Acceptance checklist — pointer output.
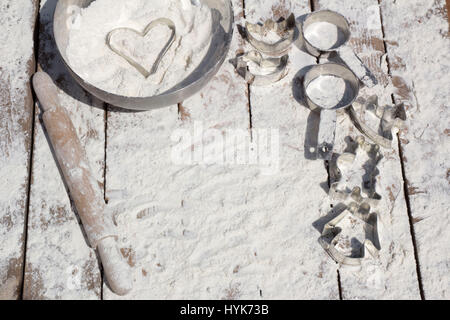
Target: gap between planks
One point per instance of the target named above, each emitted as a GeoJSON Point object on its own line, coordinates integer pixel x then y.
{"type": "Point", "coordinates": [105, 168]}
{"type": "Point", "coordinates": [248, 94]}
{"type": "Point", "coordinates": [402, 165]}
{"type": "Point", "coordinates": [313, 5]}
{"type": "Point", "coordinates": [36, 44]}
{"type": "Point", "coordinates": [37, 5]}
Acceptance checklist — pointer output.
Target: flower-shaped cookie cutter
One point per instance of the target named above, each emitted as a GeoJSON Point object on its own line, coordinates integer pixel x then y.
{"type": "Point", "coordinates": [355, 194]}
{"type": "Point", "coordinates": [273, 69]}
{"type": "Point", "coordinates": [391, 118]}
{"type": "Point", "coordinates": [331, 231]}
{"type": "Point", "coordinates": [285, 29]}
{"type": "Point", "coordinates": [162, 21]}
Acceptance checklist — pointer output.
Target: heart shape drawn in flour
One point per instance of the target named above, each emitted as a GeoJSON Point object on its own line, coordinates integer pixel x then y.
{"type": "Point", "coordinates": [128, 53]}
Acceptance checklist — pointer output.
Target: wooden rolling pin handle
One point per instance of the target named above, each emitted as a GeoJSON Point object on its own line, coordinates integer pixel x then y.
{"type": "Point", "coordinates": [84, 189]}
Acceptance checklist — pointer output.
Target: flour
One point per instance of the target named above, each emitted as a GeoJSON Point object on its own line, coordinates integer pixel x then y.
{"type": "Point", "coordinates": [16, 50]}
{"type": "Point", "coordinates": [327, 91]}
{"type": "Point", "coordinates": [90, 56]}
{"type": "Point", "coordinates": [349, 241]}
{"type": "Point", "coordinates": [324, 35]}
{"type": "Point", "coordinates": [418, 47]}
{"type": "Point", "coordinates": [222, 232]}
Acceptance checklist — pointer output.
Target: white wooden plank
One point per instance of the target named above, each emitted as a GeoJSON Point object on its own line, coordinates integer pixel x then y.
{"type": "Point", "coordinates": [394, 275]}
{"type": "Point", "coordinates": [59, 263]}
{"type": "Point", "coordinates": [417, 44]}
{"type": "Point", "coordinates": [289, 201]}
{"type": "Point", "coordinates": [188, 241]}
{"type": "Point", "coordinates": [17, 20]}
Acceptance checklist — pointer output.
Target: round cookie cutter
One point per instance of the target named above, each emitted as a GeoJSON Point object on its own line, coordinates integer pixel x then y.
{"type": "Point", "coordinates": [341, 47]}
{"type": "Point", "coordinates": [328, 115]}
{"type": "Point", "coordinates": [222, 26]}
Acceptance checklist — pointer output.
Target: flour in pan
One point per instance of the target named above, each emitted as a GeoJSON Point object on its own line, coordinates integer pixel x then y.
{"type": "Point", "coordinates": [92, 59]}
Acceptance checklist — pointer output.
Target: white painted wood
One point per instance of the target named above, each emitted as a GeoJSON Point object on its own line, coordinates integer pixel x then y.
{"type": "Point", "coordinates": [59, 262]}
{"type": "Point", "coordinates": [16, 105]}
{"type": "Point", "coordinates": [229, 231]}
{"type": "Point", "coordinates": [418, 54]}
{"type": "Point", "coordinates": [188, 240]}
{"type": "Point", "coordinates": [289, 200]}
{"type": "Point", "coordinates": [393, 276]}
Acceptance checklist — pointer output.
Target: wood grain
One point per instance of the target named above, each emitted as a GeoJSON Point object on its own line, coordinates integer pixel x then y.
{"type": "Point", "coordinates": [228, 231]}
{"type": "Point", "coordinates": [16, 104]}
{"type": "Point", "coordinates": [394, 275]}
{"type": "Point", "coordinates": [59, 262]}
{"type": "Point", "coordinates": [170, 232]}
{"type": "Point", "coordinates": [419, 75]}
{"type": "Point", "coordinates": [291, 197]}
{"type": "Point", "coordinates": [447, 6]}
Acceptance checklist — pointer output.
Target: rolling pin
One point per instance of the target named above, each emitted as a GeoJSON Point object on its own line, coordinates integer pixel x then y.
{"type": "Point", "coordinates": [83, 187]}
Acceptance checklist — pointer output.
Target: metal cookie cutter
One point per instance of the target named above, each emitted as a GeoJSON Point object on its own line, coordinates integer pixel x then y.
{"type": "Point", "coordinates": [162, 21]}
{"type": "Point", "coordinates": [391, 117]}
{"type": "Point", "coordinates": [284, 29]}
{"type": "Point", "coordinates": [328, 116]}
{"type": "Point", "coordinates": [372, 198]}
{"type": "Point", "coordinates": [346, 53]}
{"type": "Point", "coordinates": [273, 69]}
{"type": "Point", "coordinates": [356, 214]}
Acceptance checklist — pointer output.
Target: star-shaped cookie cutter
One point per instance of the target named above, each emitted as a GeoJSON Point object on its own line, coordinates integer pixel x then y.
{"type": "Point", "coordinates": [274, 69]}
{"type": "Point", "coordinates": [331, 231]}
{"type": "Point", "coordinates": [162, 21]}
{"type": "Point", "coordinates": [391, 117]}
{"type": "Point", "coordinates": [285, 29]}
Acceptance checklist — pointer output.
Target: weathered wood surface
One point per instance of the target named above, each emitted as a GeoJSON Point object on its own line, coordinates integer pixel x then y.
{"type": "Point", "coordinates": [394, 275]}
{"type": "Point", "coordinates": [203, 230]}
{"type": "Point", "coordinates": [180, 242]}
{"type": "Point", "coordinates": [59, 263]}
{"type": "Point", "coordinates": [420, 69]}
{"type": "Point", "coordinates": [288, 200]}
{"type": "Point", "coordinates": [17, 21]}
